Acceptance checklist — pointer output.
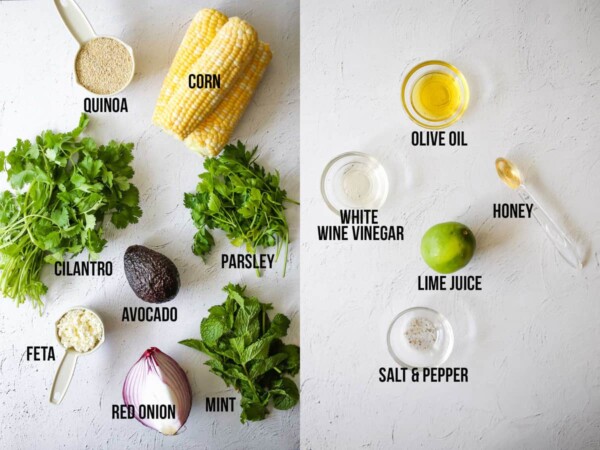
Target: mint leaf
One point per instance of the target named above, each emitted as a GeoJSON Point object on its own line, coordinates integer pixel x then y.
{"type": "Point", "coordinates": [262, 366]}
{"type": "Point", "coordinates": [292, 362]}
{"type": "Point", "coordinates": [211, 329]}
{"type": "Point", "coordinates": [201, 347]}
{"type": "Point", "coordinates": [253, 411]}
{"type": "Point", "coordinates": [285, 393]}
{"type": "Point", "coordinates": [279, 326]}
{"type": "Point", "coordinates": [238, 345]}
{"type": "Point", "coordinates": [258, 349]}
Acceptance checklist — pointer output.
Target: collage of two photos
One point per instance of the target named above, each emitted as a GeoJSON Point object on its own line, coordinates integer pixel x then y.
{"type": "Point", "coordinates": [284, 224]}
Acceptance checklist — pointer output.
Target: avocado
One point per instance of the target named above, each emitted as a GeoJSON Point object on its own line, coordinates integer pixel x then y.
{"type": "Point", "coordinates": [152, 276]}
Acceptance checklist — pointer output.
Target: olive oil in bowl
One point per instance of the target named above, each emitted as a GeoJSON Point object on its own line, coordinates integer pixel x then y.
{"type": "Point", "coordinates": [435, 94]}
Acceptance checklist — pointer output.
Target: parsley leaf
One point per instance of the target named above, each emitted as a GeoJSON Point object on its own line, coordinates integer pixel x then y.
{"type": "Point", "coordinates": [63, 187]}
{"type": "Point", "coordinates": [238, 196]}
{"type": "Point", "coordinates": [245, 351]}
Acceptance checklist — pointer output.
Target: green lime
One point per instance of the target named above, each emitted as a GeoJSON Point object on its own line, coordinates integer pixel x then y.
{"type": "Point", "coordinates": [448, 247]}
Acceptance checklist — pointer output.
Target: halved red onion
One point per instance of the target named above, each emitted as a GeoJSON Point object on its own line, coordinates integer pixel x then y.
{"type": "Point", "coordinates": [156, 379]}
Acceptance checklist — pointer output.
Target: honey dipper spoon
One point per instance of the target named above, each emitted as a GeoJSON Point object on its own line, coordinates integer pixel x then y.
{"type": "Point", "coordinates": [510, 175]}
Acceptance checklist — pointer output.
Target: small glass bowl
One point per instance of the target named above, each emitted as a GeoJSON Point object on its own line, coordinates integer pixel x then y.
{"type": "Point", "coordinates": [415, 74]}
{"type": "Point", "coordinates": [354, 180]}
{"type": "Point", "coordinates": [408, 355]}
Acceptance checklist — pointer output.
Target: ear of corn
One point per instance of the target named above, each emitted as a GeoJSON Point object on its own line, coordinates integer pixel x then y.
{"type": "Point", "coordinates": [228, 54]}
{"type": "Point", "coordinates": [213, 45]}
{"type": "Point", "coordinates": [215, 131]}
{"type": "Point", "coordinates": [199, 35]}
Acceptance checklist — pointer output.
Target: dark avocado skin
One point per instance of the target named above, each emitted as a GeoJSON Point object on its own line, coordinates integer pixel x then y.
{"type": "Point", "coordinates": [152, 276]}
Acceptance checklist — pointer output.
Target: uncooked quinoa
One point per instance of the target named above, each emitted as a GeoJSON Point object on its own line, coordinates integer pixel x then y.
{"type": "Point", "coordinates": [80, 329]}
{"type": "Point", "coordinates": [103, 66]}
{"type": "Point", "coordinates": [421, 333]}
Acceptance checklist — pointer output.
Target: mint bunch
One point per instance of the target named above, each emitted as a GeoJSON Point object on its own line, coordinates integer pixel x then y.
{"type": "Point", "coordinates": [246, 351]}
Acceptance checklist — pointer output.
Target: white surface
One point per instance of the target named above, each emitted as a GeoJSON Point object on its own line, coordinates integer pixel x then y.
{"type": "Point", "coordinates": [37, 92]}
{"type": "Point", "coordinates": [530, 338]}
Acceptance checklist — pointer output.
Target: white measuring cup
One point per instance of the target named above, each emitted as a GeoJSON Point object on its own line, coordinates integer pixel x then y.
{"type": "Point", "coordinates": [80, 28]}
{"type": "Point", "coordinates": [65, 371]}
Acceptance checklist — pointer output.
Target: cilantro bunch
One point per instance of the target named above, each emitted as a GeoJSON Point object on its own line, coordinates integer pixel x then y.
{"type": "Point", "coordinates": [63, 188]}
{"type": "Point", "coordinates": [238, 196]}
{"type": "Point", "coordinates": [246, 351]}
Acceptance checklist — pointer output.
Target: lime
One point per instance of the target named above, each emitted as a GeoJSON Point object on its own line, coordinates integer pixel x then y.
{"type": "Point", "coordinates": [448, 247]}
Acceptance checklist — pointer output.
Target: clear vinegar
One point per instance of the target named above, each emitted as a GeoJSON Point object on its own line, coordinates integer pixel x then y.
{"type": "Point", "coordinates": [360, 185]}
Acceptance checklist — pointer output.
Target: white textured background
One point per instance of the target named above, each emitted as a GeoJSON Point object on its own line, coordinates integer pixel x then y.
{"type": "Point", "coordinates": [37, 92]}
{"type": "Point", "coordinates": [530, 338]}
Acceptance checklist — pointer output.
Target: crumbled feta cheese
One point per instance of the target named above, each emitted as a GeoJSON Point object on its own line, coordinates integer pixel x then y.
{"type": "Point", "coordinates": [80, 329]}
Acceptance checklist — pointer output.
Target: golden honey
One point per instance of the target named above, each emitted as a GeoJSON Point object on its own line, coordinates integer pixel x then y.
{"type": "Point", "coordinates": [508, 173]}
{"type": "Point", "coordinates": [436, 96]}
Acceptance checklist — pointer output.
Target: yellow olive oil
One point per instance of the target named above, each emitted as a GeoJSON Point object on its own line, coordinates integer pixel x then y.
{"type": "Point", "coordinates": [436, 96]}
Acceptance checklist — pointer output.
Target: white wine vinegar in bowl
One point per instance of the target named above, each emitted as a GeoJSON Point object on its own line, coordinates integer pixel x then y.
{"type": "Point", "coordinates": [354, 180]}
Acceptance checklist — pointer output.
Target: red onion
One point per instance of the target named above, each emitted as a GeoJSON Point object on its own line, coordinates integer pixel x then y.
{"type": "Point", "coordinates": [157, 384]}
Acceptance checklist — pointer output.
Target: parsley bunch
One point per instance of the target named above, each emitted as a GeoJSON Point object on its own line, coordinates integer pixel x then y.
{"type": "Point", "coordinates": [63, 188]}
{"type": "Point", "coordinates": [247, 353]}
{"type": "Point", "coordinates": [238, 196]}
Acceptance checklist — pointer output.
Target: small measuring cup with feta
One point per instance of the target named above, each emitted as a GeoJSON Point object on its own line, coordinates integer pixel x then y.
{"type": "Point", "coordinates": [80, 331]}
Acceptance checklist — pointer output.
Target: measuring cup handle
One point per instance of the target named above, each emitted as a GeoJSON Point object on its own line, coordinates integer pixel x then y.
{"type": "Point", "coordinates": [75, 20]}
{"type": "Point", "coordinates": [63, 376]}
